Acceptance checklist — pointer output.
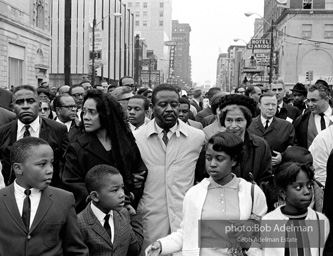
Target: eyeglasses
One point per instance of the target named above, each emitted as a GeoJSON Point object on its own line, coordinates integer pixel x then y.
{"type": "Point", "coordinates": [77, 95]}
{"type": "Point", "coordinates": [277, 89]}
{"type": "Point", "coordinates": [69, 107]}
{"type": "Point", "coordinates": [44, 109]}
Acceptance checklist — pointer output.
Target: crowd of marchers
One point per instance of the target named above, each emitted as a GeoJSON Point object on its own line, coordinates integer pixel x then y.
{"type": "Point", "coordinates": [121, 170]}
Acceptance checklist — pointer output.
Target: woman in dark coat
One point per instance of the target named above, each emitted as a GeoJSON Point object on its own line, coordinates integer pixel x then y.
{"type": "Point", "coordinates": [107, 139]}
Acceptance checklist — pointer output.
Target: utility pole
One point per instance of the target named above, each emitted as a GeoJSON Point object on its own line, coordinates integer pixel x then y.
{"type": "Point", "coordinates": [271, 55]}
{"type": "Point", "coordinates": [93, 48]}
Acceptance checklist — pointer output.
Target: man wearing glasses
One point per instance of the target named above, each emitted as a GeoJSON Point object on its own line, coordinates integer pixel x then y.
{"type": "Point", "coordinates": [26, 104]}
{"type": "Point", "coordinates": [284, 111]}
{"type": "Point", "coordinates": [128, 81]}
{"type": "Point", "coordinates": [77, 92]}
{"type": "Point", "coordinates": [65, 109]}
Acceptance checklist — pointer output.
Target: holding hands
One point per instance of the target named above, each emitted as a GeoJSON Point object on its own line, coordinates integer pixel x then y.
{"type": "Point", "coordinates": [154, 249]}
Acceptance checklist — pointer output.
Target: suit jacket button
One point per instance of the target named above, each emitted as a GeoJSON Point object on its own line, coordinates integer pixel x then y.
{"type": "Point", "coordinates": [29, 237]}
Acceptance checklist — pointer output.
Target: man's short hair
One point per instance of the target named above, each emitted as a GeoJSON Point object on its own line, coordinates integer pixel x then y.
{"type": "Point", "coordinates": [197, 93]}
{"type": "Point", "coordinates": [21, 148]}
{"type": "Point", "coordinates": [213, 91]}
{"type": "Point", "coordinates": [25, 87]}
{"type": "Point", "coordinates": [163, 87]}
{"type": "Point", "coordinates": [43, 90]}
{"type": "Point", "coordinates": [122, 92]}
{"type": "Point", "coordinates": [74, 86]}
{"type": "Point", "coordinates": [279, 81]}
{"type": "Point", "coordinates": [322, 89]}
{"type": "Point", "coordinates": [266, 94]}
{"type": "Point", "coordinates": [96, 176]}
{"type": "Point", "coordinates": [183, 100]}
{"type": "Point", "coordinates": [145, 100]}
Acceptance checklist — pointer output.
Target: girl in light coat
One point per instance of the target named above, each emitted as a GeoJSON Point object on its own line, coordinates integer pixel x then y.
{"type": "Point", "coordinates": [220, 197]}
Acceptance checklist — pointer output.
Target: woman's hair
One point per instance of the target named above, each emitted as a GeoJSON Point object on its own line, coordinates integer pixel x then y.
{"type": "Point", "coordinates": [246, 104]}
{"type": "Point", "coordinates": [50, 108]}
{"type": "Point", "coordinates": [245, 110]}
{"type": "Point", "coordinates": [287, 174]}
{"type": "Point", "coordinates": [112, 119]}
{"type": "Point", "coordinates": [226, 142]}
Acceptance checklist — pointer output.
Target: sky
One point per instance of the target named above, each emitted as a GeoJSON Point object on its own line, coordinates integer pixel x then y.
{"type": "Point", "coordinates": [214, 25]}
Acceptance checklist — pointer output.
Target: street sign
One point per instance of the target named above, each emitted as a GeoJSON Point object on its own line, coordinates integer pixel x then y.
{"type": "Point", "coordinates": [170, 43]}
{"type": "Point", "coordinates": [262, 59]}
{"type": "Point", "coordinates": [259, 44]}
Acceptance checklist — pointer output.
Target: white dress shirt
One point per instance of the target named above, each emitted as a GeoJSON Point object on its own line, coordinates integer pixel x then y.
{"type": "Point", "coordinates": [327, 115]}
{"type": "Point", "coordinates": [68, 124]}
{"type": "Point", "coordinates": [34, 199]}
{"type": "Point", "coordinates": [100, 216]}
{"type": "Point", "coordinates": [263, 121]}
{"type": "Point", "coordinates": [34, 128]}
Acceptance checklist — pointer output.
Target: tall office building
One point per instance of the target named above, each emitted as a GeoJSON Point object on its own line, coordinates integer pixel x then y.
{"type": "Point", "coordinates": [152, 21]}
{"type": "Point", "coordinates": [182, 62]}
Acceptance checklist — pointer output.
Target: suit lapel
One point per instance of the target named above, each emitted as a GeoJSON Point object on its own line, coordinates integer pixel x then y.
{"type": "Point", "coordinates": [259, 125]}
{"type": "Point", "coordinates": [11, 205]}
{"type": "Point", "coordinates": [97, 149]}
{"type": "Point", "coordinates": [97, 226]}
{"type": "Point", "coordinates": [117, 226]}
{"type": "Point", "coordinates": [44, 205]}
{"type": "Point", "coordinates": [13, 132]}
{"type": "Point", "coordinates": [44, 132]}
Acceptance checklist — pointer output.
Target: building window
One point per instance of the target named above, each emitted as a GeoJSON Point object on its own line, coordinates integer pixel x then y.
{"type": "Point", "coordinates": [137, 14]}
{"type": "Point", "coordinates": [328, 31]}
{"type": "Point", "coordinates": [144, 23]}
{"type": "Point", "coordinates": [129, 4]}
{"type": "Point", "coordinates": [40, 14]}
{"type": "Point", "coordinates": [144, 14]}
{"type": "Point", "coordinates": [161, 14]}
{"type": "Point", "coordinates": [161, 23]}
{"type": "Point", "coordinates": [15, 72]}
{"type": "Point", "coordinates": [145, 5]}
{"type": "Point", "coordinates": [137, 23]}
{"type": "Point", "coordinates": [137, 4]}
{"type": "Point", "coordinates": [306, 30]}
{"type": "Point", "coordinates": [307, 4]}
{"type": "Point", "coordinates": [161, 5]}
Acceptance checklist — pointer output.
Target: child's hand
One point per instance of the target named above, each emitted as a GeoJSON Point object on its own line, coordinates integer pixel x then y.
{"type": "Point", "coordinates": [130, 209]}
{"type": "Point", "coordinates": [153, 249]}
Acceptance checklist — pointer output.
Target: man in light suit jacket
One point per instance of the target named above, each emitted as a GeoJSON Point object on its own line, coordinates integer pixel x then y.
{"type": "Point", "coordinates": [26, 106]}
{"type": "Point", "coordinates": [183, 114]}
{"type": "Point", "coordinates": [48, 226]}
{"type": "Point", "coordinates": [170, 150]}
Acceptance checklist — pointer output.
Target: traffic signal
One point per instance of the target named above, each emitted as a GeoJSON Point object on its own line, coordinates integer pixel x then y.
{"type": "Point", "coordinates": [307, 75]}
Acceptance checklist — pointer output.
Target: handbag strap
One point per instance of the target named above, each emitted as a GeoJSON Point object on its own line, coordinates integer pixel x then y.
{"type": "Point", "coordinates": [252, 196]}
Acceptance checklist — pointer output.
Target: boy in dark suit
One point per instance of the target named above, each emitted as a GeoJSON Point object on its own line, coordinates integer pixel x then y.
{"type": "Point", "coordinates": [105, 224]}
{"type": "Point", "coordinates": [37, 219]}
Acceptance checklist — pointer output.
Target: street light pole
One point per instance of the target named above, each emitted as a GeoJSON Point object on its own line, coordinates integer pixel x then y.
{"type": "Point", "coordinates": [93, 47]}
{"type": "Point", "coordinates": [271, 55]}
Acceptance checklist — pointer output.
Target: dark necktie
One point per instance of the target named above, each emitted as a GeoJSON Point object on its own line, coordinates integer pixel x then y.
{"type": "Point", "coordinates": [322, 121]}
{"type": "Point", "coordinates": [267, 124]}
{"type": "Point", "coordinates": [26, 132]}
{"type": "Point", "coordinates": [107, 225]}
{"type": "Point", "coordinates": [165, 137]}
{"type": "Point", "coordinates": [277, 110]}
{"type": "Point", "coordinates": [26, 209]}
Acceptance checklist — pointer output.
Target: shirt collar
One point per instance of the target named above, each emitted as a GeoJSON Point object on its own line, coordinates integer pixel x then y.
{"type": "Point", "coordinates": [99, 214]}
{"type": "Point", "coordinates": [280, 105]}
{"type": "Point", "coordinates": [263, 120]}
{"type": "Point", "coordinates": [34, 125]}
{"type": "Point", "coordinates": [20, 190]}
{"type": "Point", "coordinates": [159, 130]}
{"type": "Point", "coordinates": [328, 112]}
{"type": "Point", "coordinates": [233, 184]}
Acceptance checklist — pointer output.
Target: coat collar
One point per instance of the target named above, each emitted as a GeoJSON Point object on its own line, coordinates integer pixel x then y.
{"type": "Point", "coordinates": [182, 128]}
{"type": "Point", "coordinates": [91, 143]}
{"type": "Point", "coordinates": [11, 205]}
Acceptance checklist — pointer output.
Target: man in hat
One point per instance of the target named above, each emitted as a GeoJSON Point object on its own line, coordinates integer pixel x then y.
{"type": "Point", "coordinates": [299, 93]}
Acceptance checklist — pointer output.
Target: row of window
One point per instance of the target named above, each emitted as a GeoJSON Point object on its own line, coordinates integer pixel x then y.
{"type": "Point", "coordinates": [307, 30]}
{"type": "Point", "coordinates": [144, 4]}
{"type": "Point", "coordinates": [144, 23]}
{"type": "Point", "coordinates": [145, 14]}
